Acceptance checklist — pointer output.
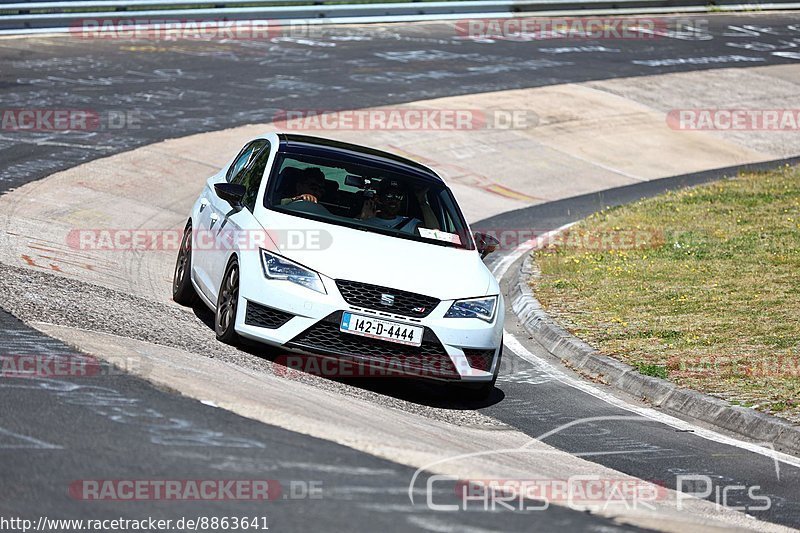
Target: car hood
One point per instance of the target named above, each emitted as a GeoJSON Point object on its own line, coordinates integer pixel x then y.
{"type": "Point", "coordinates": [442, 272]}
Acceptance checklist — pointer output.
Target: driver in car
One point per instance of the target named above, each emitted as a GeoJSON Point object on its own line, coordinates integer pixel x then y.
{"type": "Point", "coordinates": [309, 187]}
{"type": "Point", "coordinates": [384, 208]}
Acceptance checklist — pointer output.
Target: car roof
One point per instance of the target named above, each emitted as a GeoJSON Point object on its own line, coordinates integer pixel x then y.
{"type": "Point", "coordinates": [320, 146]}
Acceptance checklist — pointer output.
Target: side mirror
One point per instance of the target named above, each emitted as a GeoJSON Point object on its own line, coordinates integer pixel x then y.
{"type": "Point", "coordinates": [485, 243]}
{"type": "Point", "coordinates": [233, 193]}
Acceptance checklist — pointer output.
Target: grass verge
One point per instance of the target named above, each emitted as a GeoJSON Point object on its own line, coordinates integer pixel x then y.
{"type": "Point", "coordinates": [699, 286]}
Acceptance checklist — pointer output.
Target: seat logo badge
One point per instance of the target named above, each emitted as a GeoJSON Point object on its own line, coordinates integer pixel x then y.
{"type": "Point", "coordinates": [387, 299]}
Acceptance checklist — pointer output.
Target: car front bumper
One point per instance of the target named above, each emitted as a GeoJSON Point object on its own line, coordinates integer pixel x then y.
{"type": "Point", "coordinates": [301, 320]}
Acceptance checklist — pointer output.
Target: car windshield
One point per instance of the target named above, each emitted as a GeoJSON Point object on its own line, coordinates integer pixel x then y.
{"type": "Point", "coordinates": [368, 198]}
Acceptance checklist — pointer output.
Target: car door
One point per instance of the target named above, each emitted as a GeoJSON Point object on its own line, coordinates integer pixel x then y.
{"type": "Point", "coordinates": [227, 222]}
{"type": "Point", "coordinates": [207, 224]}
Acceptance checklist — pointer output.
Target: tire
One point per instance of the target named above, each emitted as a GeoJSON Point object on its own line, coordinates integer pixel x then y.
{"type": "Point", "coordinates": [228, 305]}
{"type": "Point", "coordinates": [182, 289]}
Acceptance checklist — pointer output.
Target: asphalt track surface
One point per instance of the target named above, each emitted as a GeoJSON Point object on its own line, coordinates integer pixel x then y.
{"type": "Point", "coordinates": [172, 89]}
{"type": "Point", "coordinates": [54, 432]}
{"type": "Point", "coordinates": [112, 426]}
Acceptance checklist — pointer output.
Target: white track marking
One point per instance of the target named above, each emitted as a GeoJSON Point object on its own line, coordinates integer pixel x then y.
{"type": "Point", "coordinates": [519, 350]}
{"type": "Point", "coordinates": [511, 342]}
{"type": "Point", "coordinates": [30, 442]}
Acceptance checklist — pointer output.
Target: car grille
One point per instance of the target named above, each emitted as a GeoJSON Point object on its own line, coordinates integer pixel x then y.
{"type": "Point", "coordinates": [370, 297]}
{"type": "Point", "coordinates": [479, 359]}
{"type": "Point", "coordinates": [430, 359]}
{"type": "Point", "coordinates": [265, 317]}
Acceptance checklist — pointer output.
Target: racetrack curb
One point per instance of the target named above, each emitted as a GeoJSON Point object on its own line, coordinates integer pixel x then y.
{"type": "Point", "coordinates": [668, 397]}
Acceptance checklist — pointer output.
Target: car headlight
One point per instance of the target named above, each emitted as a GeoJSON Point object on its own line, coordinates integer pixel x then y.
{"type": "Point", "coordinates": [482, 308]}
{"type": "Point", "coordinates": [277, 267]}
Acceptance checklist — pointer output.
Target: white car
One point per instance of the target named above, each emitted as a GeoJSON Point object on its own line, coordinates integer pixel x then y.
{"type": "Point", "coordinates": [347, 253]}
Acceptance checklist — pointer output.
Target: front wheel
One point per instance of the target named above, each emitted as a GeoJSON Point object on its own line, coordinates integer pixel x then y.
{"type": "Point", "coordinates": [227, 305]}
{"type": "Point", "coordinates": [182, 289]}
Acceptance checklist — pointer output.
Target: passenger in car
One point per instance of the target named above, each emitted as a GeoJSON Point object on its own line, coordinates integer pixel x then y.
{"type": "Point", "coordinates": [383, 209]}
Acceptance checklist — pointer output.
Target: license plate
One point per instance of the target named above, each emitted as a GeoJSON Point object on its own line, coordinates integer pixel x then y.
{"type": "Point", "coordinates": [386, 330]}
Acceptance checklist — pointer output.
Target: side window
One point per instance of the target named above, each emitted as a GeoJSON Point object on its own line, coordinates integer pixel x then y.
{"type": "Point", "coordinates": [443, 210]}
{"type": "Point", "coordinates": [244, 157]}
{"type": "Point", "coordinates": [252, 175]}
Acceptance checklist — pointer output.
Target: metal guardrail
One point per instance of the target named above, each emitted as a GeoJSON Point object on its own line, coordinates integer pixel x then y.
{"type": "Point", "coordinates": [43, 16]}
{"type": "Point", "coordinates": [68, 5]}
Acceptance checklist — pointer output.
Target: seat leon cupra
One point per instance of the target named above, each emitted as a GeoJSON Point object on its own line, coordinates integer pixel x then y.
{"type": "Point", "coordinates": [344, 253]}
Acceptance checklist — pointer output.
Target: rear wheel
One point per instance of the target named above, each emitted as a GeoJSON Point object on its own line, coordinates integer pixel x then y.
{"type": "Point", "coordinates": [227, 305]}
{"type": "Point", "coordinates": [182, 290]}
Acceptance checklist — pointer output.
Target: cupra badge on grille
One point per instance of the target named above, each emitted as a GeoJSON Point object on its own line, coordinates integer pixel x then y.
{"type": "Point", "coordinates": [387, 299]}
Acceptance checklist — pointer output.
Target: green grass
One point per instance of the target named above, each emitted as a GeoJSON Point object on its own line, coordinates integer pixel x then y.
{"type": "Point", "coordinates": [656, 371]}
{"type": "Point", "coordinates": [710, 298]}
